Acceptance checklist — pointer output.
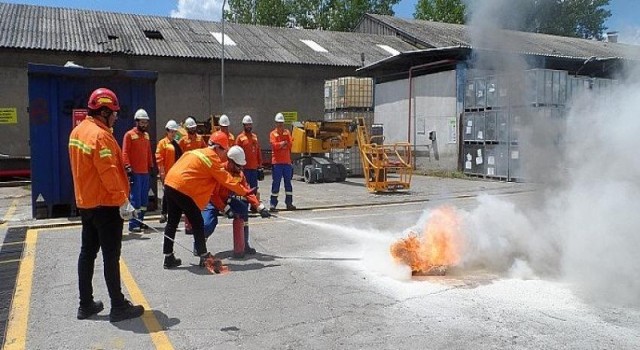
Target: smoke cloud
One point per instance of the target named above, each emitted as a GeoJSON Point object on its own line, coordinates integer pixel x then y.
{"type": "Point", "coordinates": [583, 225]}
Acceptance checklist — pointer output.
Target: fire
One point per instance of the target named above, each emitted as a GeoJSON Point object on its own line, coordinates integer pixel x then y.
{"type": "Point", "coordinates": [436, 249]}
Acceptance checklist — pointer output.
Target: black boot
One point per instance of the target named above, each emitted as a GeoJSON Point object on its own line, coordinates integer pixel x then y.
{"type": "Point", "coordinates": [170, 261]}
{"type": "Point", "coordinates": [88, 311]}
{"type": "Point", "coordinates": [125, 312]}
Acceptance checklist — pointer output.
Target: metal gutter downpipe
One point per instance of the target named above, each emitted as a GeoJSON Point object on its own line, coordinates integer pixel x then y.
{"type": "Point", "coordinates": [411, 69]}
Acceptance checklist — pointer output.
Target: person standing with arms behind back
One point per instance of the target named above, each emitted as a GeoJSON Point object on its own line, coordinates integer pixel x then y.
{"type": "Point", "coordinates": [167, 153]}
{"type": "Point", "coordinates": [138, 162]}
{"type": "Point", "coordinates": [281, 140]}
{"type": "Point", "coordinates": [102, 191]}
{"type": "Point", "coordinates": [253, 154]}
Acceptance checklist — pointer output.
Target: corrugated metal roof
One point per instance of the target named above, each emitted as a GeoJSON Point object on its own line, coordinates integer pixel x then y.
{"type": "Point", "coordinates": [436, 34]}
{"type": "Point", "coordinates": [52, 28]}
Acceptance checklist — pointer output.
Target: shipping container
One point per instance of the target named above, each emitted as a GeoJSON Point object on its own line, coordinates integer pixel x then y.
{"type": "Point", "coordinates": [55, 92]}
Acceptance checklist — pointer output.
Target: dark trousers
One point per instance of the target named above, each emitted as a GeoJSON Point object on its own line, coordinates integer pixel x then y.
{"type": "Point", "coordinates": [178, 203]}
{"type": "Point", "coordinates": [101, 229]}
{"type": "Point", "coordinates": [164, 201]}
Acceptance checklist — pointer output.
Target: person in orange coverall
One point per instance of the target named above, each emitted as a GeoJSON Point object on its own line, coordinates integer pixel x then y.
{"type": "Point", "coordinates": [188, 187]}
{"type": "Point", "coordinates": [281, 141]}
{"type": "Point", "coordinates": [233, 206]}
{"type": "Point", "coordinates": [102, 197]}
{"type": "Point", "coordinates": [251, 147]}
{"type": "Point", "coordinates": [190, 141]}
{"type": "Point", "coordinates": [138, 162]}
{"type": "Point", "coordinates": [167, 153]}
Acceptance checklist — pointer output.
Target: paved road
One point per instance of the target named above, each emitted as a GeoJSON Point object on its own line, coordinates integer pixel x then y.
{"type": "Point", "coordinates": [323, 280]}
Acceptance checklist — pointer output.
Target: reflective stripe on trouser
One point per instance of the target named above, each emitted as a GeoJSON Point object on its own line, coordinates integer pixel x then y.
{"type": "Point", "coordinates": [139, 196]}
{"type": "Point", "coordinates": [281, 172]}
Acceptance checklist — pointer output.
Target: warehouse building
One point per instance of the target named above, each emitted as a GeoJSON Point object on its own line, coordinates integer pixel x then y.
{"type": "Point", "coordinates": [428, 93]}
{"type": "Point", "coordinates": [266, 70]}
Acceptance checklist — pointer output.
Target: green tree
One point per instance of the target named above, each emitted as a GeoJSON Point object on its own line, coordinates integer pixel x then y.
{"type": "Point", "coordinates": [339, 15]}
{"type": "Point", "coordinates": [448, 11]}
{"type": "Point", "coordinates": [574, 18]}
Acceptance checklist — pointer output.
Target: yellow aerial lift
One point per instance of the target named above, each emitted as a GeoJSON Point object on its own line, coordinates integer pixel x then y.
{"type": "Point", "coordinates": [387, 167]}
{"type": "Point", "coordinates": [312, 140]}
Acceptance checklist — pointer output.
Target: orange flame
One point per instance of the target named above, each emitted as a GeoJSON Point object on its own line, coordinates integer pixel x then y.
{"type": "Point", "coordinates": [438, 246]}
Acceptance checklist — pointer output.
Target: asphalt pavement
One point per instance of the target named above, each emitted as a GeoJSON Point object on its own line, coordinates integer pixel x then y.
{"type": "Point", "coordinates": [322, 279]}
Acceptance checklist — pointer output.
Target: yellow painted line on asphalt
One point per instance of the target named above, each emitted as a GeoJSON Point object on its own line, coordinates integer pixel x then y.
{"type": "Point", "coordinates": [9, 213]}
{"type": "Point", "coordinates": [16, 338]}
{"type": "Point", "coordinates": [158, 336]}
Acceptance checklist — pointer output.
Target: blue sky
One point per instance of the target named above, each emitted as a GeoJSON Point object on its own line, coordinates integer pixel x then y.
{"type": "Point", "coordinates": [625, 13]}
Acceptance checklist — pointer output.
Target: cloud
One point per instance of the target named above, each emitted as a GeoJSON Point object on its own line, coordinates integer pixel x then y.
{"type": "Point", "coordinates": [629, 35]}
{"type": "Point", "coordinates": [209, 10]}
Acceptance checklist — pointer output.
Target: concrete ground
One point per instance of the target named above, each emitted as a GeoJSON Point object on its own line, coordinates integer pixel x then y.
{"type": "Point", "coordinates": [322, 280]}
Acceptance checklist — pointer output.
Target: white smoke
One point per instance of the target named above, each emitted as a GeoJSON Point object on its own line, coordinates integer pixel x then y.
{"type": "Point", "coordinates": [584, 228]}
{"type": "Point", "coordinates": [629, 35]}
{"type": "Point", "coordinates": [208, 10]}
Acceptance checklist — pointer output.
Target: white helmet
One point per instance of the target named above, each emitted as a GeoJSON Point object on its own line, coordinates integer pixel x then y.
{"type": "Point", "coordinates": [224, 120]}
{"type": "Point", "coordinates": [172, 125]}
{"type": "Point", "coordinates": [236, 153]}
{"type": "Point", "coordinates": [190, 123]}
{"type": "Point", "coordinates": [247, 119]}
{"type": "Point", "coordinates": [279, 118]}
{"type": "Point", "coordinates": [141, 114]}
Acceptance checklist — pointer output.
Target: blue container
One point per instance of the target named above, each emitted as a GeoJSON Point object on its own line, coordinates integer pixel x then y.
{"type": "Point", "coordinates": [54, 92]}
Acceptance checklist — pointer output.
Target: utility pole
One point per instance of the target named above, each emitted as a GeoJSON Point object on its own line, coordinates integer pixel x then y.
{"type": "Point", "coordinates": [224, 3]}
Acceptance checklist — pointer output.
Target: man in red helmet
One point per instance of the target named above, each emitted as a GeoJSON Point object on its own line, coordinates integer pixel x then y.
{"type": "Point", "coordinates": [102, 191]}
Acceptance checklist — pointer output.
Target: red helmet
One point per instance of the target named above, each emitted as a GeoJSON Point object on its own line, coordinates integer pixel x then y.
{"type": "Point", "coordinates": [220, 139]}
{"type": "Point", "coordinates": [104, 97]}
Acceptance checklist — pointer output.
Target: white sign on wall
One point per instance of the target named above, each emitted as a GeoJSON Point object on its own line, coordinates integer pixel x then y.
{"type": "Point", "coordinates": [453, 130]}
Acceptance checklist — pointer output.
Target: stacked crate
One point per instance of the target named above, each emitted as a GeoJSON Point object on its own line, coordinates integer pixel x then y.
{"type": "Point", "coordinates": [347, 98]}
{"type": "Point", "coordinates": [497, 113]}
{"type": "Point", "coordinates": [499, 109]}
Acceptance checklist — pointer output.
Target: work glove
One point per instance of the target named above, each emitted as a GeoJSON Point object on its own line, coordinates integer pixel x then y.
{"type": "Point", "coordinates": [127, 211]}
{"type": "Point", "coordinates": [260, 174]}
{"type": "Point", "coordinates": [264, 213]}
{"type": "Point", "coordinates": [228, 212]}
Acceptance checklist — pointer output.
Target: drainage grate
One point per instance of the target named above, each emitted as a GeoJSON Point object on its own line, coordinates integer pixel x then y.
{"type": "Point", "coordinates": [10, 254]}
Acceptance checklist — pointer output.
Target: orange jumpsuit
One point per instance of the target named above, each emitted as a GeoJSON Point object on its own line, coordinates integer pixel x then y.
{"type": "Point", "coordinates": [189, 142]}
{"type": "Point", "coordinates": [230, 137]}
{"type": "Point", "coordinates": [98, 172]}
{"type": "Point", "coordinates": [252, 151]}
{"type": "Point", "coordinates": [281, 154]}
{"type": "Point", "coordinates": [196, 174]}
{"type": "Point", "coordinates": [165, 156]}
{"type": "Point", "coordinates": [136, 151]}
{"type": "Point", "coordinates": [221, 194]}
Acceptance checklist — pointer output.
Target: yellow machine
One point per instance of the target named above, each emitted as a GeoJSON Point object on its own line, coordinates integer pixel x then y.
{"type": "Point", "coordinates": [387, 167]}
{"type": "Point", "coordinates": [312, 139]}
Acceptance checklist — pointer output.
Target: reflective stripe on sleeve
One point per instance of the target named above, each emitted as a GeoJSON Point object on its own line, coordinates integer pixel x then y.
{"type": "Point", "coordinates": [105, 152]}
{"type": "Point", "coordinates": [203, 158]}
{"type": "Point", "coordinates": [86, 149]}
